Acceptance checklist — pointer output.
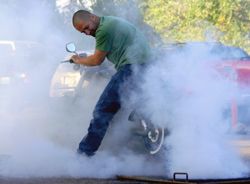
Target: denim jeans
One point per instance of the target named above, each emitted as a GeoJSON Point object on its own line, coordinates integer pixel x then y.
{"type": "Point", "coordinates": [107, 106]}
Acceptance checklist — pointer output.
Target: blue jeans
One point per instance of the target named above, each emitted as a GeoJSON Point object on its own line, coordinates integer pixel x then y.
{"type": "Point", "coordinates": [107, 106]}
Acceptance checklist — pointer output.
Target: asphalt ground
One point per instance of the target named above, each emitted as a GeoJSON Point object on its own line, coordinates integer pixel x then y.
{"type": "Point", "coordinates": [120, 180]}
{"type": "Point", "coordinates": [63, 181]}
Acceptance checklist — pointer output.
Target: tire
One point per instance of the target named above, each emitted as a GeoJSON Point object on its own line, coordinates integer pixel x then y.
{"type": "Point", "coordinates": [152, 135]}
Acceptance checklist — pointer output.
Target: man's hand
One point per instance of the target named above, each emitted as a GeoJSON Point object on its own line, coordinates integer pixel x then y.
{"type": "Point", "coordinates": [93, 60]}
{"type": "Point", "coordinates": [76, 59]}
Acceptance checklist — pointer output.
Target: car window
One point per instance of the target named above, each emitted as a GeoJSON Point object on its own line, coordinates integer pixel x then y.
{"type": "Point", "coordinates": [20, 55]}
{"type": "Point", "coordinates": [227, 53]}
{"type": "Point", "coordinates": [210, 50]}
{"type": "Point", "coordinates": [6, 48]}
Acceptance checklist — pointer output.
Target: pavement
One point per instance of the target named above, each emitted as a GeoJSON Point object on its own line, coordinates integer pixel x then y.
{"type": "Point", "coordinates": [64, 181]}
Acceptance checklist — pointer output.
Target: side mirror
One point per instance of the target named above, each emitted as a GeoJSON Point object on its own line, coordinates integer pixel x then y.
{"type": "Point", "coordinates": [70, 47]}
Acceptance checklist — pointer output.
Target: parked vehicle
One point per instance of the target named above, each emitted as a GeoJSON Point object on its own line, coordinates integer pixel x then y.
{"type": "Point", "coordinates": [19, 61]}
{"type": "Point", "coordinates": [231, 62]}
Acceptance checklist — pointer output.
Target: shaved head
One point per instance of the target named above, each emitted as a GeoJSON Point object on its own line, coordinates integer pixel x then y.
{"type": "Point", "coordinates": [85, 22]}
{"type": "Point", "coordinates": [80, 15]}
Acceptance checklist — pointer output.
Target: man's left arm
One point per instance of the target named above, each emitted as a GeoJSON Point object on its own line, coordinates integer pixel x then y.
{"type": "Point", "coordinates": [93, 60]}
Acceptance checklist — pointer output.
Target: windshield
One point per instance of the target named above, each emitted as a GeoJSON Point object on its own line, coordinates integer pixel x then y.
{"type": "Point", "coordinates": [207, 51]}
{"type": "Point", "coordinates": [19, 55]}
{"type": "Point", "coordinates": [228, 53]}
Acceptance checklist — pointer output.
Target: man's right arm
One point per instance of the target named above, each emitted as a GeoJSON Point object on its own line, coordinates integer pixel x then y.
{"type": "Point", "coordinates": [93, 60]}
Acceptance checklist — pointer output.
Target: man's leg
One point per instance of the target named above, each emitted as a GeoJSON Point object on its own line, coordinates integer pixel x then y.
{"type": "Point", "coordinates": [105, 109]}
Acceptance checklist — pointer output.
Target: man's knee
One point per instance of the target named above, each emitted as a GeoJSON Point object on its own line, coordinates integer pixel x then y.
{"type": "Point", "coordinates": [107, 108]}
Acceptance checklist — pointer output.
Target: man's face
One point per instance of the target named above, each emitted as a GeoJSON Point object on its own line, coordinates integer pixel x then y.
{"type": "Point", "coordinates": [87, 27]}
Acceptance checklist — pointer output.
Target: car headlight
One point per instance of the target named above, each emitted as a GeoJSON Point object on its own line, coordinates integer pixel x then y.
{"type": "Point", "coordinates": [23, 76]}
{"type": "Point", "coordinates": [4, 80]}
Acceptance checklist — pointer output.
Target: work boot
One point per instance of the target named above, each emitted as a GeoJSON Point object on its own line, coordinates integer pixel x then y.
{"type": "Point", "coordinates": [89, 144]}
{"type": "Point", "coordinates": [88, 154]}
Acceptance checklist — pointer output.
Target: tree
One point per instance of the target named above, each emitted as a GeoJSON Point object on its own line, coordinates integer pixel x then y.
{"type": "Point", "coordinates": [227, 21]}
{"type": "Point", "coordinates": [130, 10]}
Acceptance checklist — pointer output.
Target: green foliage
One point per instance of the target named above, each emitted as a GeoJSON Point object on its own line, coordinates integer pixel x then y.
{"type": "Point", "coordinates": [131, 10]}
{"type": "Point", "coordinates": [227, 21]}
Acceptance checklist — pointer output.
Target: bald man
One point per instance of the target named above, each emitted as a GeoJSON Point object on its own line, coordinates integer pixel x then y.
{"type": "Point", "coordinates": [125, 46]}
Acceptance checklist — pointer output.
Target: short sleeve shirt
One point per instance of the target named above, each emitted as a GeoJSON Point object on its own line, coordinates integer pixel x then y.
{"type": "Point", "coordinates": [123, 42]}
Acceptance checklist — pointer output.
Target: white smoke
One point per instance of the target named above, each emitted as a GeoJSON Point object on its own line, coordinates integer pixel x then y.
{"type": "Point", "coordinates": [186, 94]}
{"type": "Point", "coordinates": [39, 137]}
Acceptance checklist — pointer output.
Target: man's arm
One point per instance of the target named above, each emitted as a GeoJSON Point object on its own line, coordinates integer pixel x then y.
{"type": "Point", "coordinates": [93, 60]}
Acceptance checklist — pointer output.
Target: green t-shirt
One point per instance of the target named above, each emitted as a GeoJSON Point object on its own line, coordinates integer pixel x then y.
{"type": "Point", "coordinates": [123, 42]}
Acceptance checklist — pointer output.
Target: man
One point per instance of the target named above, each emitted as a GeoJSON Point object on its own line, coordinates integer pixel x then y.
{"type": "Point", "coordinates": [124, 46]}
